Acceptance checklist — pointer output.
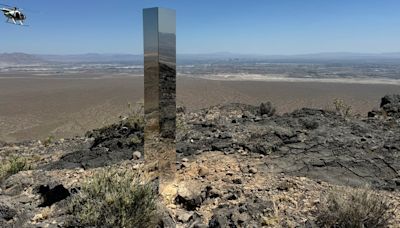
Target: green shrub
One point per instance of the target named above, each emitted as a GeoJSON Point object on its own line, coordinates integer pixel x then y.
{"type": "Point", "coordinates": [18, 164]}
{"type": "Point", "coordinates": [13, 166]}
{"type": "Point", "coordinates": [356, 208]}
{"type": "Point", "coordinates": [115, 199]}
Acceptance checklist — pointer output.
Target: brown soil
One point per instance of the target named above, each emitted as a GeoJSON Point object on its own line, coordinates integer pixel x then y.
{"type": "Point", "coordinates": [34, 107]}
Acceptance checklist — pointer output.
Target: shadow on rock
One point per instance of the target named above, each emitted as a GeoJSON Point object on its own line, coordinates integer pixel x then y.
{"type": "Point", "coordinates": [52, 195]}
{"type": "Point", "coordinates": [111, 145]}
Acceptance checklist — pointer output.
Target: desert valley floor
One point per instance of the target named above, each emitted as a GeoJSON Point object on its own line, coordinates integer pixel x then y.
{"type": "Point", "coordinates": [36, 107]}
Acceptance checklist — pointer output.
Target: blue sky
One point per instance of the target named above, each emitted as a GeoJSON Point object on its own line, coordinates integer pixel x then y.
{"type": "Point", "coordinates": [208, 26]}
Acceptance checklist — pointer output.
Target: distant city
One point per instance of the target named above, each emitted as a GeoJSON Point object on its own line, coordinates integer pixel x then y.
{"type": "Point", "coordinates": [226, 66]}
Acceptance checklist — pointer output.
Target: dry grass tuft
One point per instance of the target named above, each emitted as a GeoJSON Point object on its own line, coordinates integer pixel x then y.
{"type": "Point", "coordinates": [342, 108]}
{"type": "Point", "coordinates": [114, 198]}
{"type": "Point", "coordinates": [356, 208]}
{"type": "Point", "coordinates": [135, 113]}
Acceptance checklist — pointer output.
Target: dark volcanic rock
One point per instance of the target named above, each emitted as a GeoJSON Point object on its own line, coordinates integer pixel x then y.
{"type": "Point", "coordinates": [247, 213]}
{"type": "Point", "coordinates": [221, 145]}
{"type": "Point", "coordinates": [165, 217]}
{"type": "Point", "coordinates": [220, 220]}
{"type": "Point", "coordinates": [124, 135]}
{"type": "Point", "coordinates": [391, 105]}
{"type": "Point", "coordinates": [91, 158]}
{"type": "Point", "coordinates": [6, 213]}
{"type": "Point", "coordinates": [390, 99]}
{"type": "Point", "coordinates": [111, 144]}
{"type": "Point", "coordinates": [308, 142]}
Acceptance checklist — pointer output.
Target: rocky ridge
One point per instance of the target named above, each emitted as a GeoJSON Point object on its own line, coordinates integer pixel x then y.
{"type": "Point", "coordinates": [238, 165]}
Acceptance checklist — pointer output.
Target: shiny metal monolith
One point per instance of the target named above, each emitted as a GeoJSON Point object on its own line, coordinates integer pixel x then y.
{"type": "Point", "coordinates": [160, 91]}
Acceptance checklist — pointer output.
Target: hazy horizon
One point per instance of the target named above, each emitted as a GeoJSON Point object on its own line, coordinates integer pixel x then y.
{"type": "Point", "coordinates": [215, 53]}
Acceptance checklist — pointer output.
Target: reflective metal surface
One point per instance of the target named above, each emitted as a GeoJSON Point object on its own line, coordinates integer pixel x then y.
{"type": "Point", "coordinates": [160, 90]}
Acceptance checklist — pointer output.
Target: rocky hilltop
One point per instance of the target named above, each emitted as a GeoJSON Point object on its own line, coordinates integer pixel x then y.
{"type": "Point", "coordinates": [238, 166]}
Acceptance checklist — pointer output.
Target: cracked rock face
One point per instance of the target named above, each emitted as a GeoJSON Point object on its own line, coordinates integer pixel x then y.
{"type": "Point", "coordinates": [314, 143]}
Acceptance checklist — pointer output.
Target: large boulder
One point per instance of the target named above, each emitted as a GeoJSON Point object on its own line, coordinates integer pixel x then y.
{"type": "Point", "coordinates": [190, 197]}
{"type": "Point", "coordinates": [391, 105]}
{"type": "Point", "coordinates": [390, 99]}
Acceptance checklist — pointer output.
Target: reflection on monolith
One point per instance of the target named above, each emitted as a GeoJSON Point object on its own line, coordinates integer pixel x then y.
{"type": "Point", "coordinates": [160, 91]}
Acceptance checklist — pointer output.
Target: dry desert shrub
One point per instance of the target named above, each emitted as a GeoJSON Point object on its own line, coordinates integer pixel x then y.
{"type": "Point", "coordinates": [114, 198]}
{"type": "Point", "coordinates": [49, 140]}
{"type": "Point", "coordinates": [13, 166]}
{"type": "Point", "coordinates": [267, 109]}
{"type": "Point", "coordinates": [135, 113]}
{"type": "Point", "coordinates": [342, 108]}
{"type": "Point", "coordinates": [355, 208]}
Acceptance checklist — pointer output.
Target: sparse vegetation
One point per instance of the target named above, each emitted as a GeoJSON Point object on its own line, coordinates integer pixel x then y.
{"type": "Point", "coordinates": [115, 199]}
{"type": "Point", "coordinates": [135, 113]}
{"type": "Point", "coordinates": [181, 124]}
{"type": "Point", "coordinates": [13, 166]}
{"type": "Point", "coordinates": [267, 109]}
{"type": "Point", "coordinates": [342, 108]}
{"type": "Point", "coordinates": [48, 141]}
{"type": "Point", "coordinates": [136, 116]}
{"type": "Point", "coordinates": [136, 139]}
{"type": "Point", "coordinates": [356, 208]}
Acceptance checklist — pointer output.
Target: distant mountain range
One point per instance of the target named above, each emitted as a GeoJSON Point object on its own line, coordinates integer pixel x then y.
{"type": "Point", "coordinates": [20, 59]}
{"type": "Point", "coordinates": [27, 59]}
{"type": "Point", "coordinates": [94, 57]}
